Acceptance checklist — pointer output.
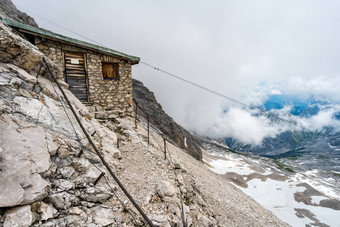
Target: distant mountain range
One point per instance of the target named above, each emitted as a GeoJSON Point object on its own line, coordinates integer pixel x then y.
{"type": "Point", "coordinates": [303, 145]}
{"type": "Point", "coordinates": [303, 107]}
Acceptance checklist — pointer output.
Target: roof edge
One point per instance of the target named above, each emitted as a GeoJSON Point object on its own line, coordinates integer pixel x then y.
{"type": "Point", "coordinates": [46, 33]}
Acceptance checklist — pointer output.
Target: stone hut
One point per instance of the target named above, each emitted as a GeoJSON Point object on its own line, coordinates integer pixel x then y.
{"type": "Point", "coordinates": [100, 77]}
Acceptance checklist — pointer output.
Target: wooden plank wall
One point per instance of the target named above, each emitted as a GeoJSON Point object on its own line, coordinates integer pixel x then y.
{"type": "Point", "coordinates": [76, 74]}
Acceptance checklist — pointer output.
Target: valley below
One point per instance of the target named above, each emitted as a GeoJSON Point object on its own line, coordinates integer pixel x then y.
{"type": "Point", "coordinates": [298, 198]}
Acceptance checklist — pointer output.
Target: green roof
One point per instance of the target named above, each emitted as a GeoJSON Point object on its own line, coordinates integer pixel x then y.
{"type": "Point", "coordinates": [49, 34]}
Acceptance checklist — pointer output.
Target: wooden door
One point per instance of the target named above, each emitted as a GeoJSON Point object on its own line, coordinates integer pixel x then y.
{"type": "Point", "coordinates": [76, 74]}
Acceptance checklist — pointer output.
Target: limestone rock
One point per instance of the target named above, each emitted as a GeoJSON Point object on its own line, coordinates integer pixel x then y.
{"type": "Point", "coordinates": [206, 222]}
{"type": "Point", "coordinates": [160, 220]}
{"type": "Point", "coordinates": [165, 189]}
{"type": "Point", "coordinates": [103, 217]}
{"type": "Point", "coordinates": [63, 184]}
{"type": "Point", "coordinates": [63, 152]}
{"type": "Point", "coordinates": [189, 221]}
{"type": "Point", "coordinates": [62, 200]}
{"type": "Point", "coordinates": [96, 194]}
{"type": "Point", "coordinates": [63, 84]}
{"type": "Point", "coordinates": [58, 201]}
{"type": "Point", "coordinates": [52, 147]}
{"type": "Point", "coordinates": [48, 88]}
{"type": "Point", "coordinates": [8, 9]}
{"type": "Point", "coordinates": [66, 172]}
{"type": "Point", "coordinates": [18, 216]}
{"type": "Point", "coordinates": [109, 148]}
{"type": "Point", "coordinates": [12, 193]}
{"type": "Point", "coordinates": [17, 52]}
{"type": "Point", "coordinates": [37, 190]}
{"type": "Point", "coordinates": [91, 174]}
{"type": "Point", "coordinates": [81, 165]}
{"type": "Point", "coordinates": [19, 177]}
{"type": "Point", "coordinates": [46, 211]}
{"type": "Point", "coordinates": [76, 211]}
{"type": "Point", "coordinates": [23, 74]}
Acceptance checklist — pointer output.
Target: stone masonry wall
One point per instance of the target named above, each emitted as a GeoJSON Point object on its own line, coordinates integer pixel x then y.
{"type": "Point", "coordinates": [107, 98]}
{"type": "Point", "coordinates": [52, 50]}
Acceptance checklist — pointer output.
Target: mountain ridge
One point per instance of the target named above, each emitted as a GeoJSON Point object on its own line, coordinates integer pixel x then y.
{"type": "Point", "coordinates": [9, 10]}
{"type": "Point", "coordinates": [46, 181]}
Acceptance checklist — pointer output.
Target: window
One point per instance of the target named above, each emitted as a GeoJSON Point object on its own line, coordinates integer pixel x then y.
{"type": "Point", "coordinates": [110, 71]}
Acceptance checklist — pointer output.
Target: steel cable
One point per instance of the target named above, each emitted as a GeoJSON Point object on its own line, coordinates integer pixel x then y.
{"type": "Point", "coordinates": [96, 149]}
{"type": "Point", "coordinates": [82, 148]}
{"type": "Point", "coordinates": [169, 159]}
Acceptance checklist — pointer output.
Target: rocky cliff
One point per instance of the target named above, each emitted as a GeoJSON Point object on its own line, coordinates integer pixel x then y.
{"type": "Point", "coordinates": [9, 10]}
{"type": "Point", "coordinates": [49, 172]}
{"type": "Point", "coordinates": [145, 98]}
{"type": "Point", "coordinates": [45, 180]}
{"type": "Point", "coordinates": [150, 107]}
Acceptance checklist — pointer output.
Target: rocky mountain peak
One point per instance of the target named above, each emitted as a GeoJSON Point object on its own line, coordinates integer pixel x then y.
{"type": "Point", "coordinates": [9, 10]}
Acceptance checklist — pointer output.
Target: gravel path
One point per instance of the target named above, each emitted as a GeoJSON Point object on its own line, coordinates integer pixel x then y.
{"type": "Point", "coordinates": [224, 202]}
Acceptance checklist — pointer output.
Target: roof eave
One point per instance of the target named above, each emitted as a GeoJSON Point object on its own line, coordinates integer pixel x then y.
{"type": "Point", "coordinates": [57, 37]}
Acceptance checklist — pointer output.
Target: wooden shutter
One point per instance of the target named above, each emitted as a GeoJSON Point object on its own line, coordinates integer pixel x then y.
{"type": "Point", "coordinates": [110, 71]}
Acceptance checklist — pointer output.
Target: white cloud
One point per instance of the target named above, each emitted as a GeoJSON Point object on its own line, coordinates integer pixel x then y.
{"type": "Point", "coordinates": [250, 127]}
{"type": "Point", "coordinates": [325, 118]}
{"type": "Point", "coordinates": [275, 92]}
{"type": "Point", "coordinates": [246, 50]}
{"type": "Point", "coordinates": [241, 125]}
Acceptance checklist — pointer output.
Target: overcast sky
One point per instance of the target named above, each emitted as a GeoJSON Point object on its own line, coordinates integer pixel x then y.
{"type": "Point", "coordinates": [244, 49]}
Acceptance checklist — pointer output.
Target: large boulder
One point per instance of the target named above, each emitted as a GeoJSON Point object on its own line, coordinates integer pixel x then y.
{"type": "Point", "coordinates": [20, 179]}
{"type": "Point", "coordinates": [165, 189]}
{"type": "Point", "coordinates": [19, 217]}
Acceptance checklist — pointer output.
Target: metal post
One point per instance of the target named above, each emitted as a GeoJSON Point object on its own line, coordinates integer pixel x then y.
{"type": "Point", "coordinates": [164, 148]}
{"type": "Point", "coordinates": [148, 130]}
{"type": "Point", "coordinates": [136, 115]}
{"type": "Point", "coordinates": [118, 143]}
{"type": "Point", "coordinates": [80, 153]}
{"type": "Point", "coordinates": [98, 179]}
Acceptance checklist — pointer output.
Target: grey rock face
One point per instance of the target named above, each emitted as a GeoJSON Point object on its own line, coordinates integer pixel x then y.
{"type": "Point", "coordinates": [103, 217]}
{"type": "Point", "coordinates": [9, 10]}
{"type": "Point", "coordinates": [38, 161]}
{"type": "Point", "coordinates": [150, 107]}
{"type": "Point", "coordinates": [20, 180]}
{"type": "Point", "coordinates": [160, 220]}
{"type": "Point", "coordinates": [19, 217]}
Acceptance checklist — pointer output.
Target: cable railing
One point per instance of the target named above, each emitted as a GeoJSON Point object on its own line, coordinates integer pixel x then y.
{"type": "Point", "coordinates": [167, 153]}
{"type": "Point", "coordinates": [102, 174]}
{"type": "Point", "coordinates": [139, 112]}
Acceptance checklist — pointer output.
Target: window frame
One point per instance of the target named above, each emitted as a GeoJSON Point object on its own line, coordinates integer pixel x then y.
{"type": "Point", "coordinates": [116, 69]}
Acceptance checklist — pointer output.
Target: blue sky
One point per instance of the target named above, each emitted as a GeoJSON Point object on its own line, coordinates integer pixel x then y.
{"type": "Point", "coordinates": [244, 49]}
